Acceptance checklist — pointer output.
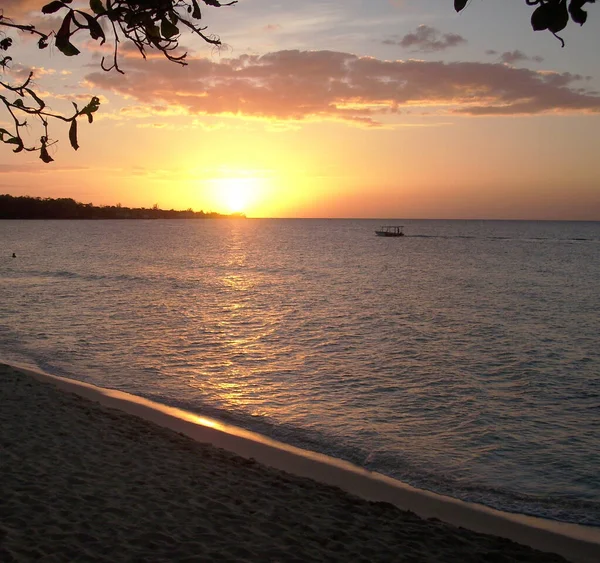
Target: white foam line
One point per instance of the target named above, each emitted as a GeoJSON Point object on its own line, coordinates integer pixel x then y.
{"type": "Point", "coordinates": [577, 543]}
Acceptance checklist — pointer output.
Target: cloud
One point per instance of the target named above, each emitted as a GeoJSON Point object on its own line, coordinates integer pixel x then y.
{"type": "Point", "coordinates": [35, 168]}
{"type": "Point", "coordinates": [299, 85]}
{"type": "Point", "coordinates": [29, 12]}
{"type": "Point", "coordinates": [427, 39]}
{"type": "Point", "coordinates": [18, 8]}
{"type": "Point", "coordinates": [512, 57]}
{"type": "Point", "coordinates": [21, 72]}
{"type": "Point", "coordinates": [156, 110]}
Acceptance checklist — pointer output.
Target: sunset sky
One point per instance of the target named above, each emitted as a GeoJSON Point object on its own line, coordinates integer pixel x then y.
{"type": "Point", "coordinates": [332, 108]}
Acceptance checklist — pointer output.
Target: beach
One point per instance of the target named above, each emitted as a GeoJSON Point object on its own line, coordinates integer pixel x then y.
{"type": "Point", "coordinates": [83, 482]}
{"type": "Point", "coordinates": [455, 379]}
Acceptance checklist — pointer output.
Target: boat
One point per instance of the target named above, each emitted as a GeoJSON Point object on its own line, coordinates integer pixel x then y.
{"type": "Point", "coordinates": [390, 231]}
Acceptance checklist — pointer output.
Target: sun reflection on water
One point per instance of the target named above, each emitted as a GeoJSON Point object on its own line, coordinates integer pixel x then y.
{"type": "Point", "coordinates": [245, 329]}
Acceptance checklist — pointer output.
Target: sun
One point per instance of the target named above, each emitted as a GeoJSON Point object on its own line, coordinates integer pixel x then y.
{"type": "Point", "coordinates": [242, 193]}
{"type": "Point", "coordinates": [236, 194]}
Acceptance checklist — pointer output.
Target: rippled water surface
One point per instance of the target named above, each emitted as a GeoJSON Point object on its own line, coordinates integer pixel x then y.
{"type": "Point", "coordinates": [463, 358]}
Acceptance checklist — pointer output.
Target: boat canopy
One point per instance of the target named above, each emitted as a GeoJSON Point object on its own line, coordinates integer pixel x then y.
{"type": "Point", "coordinates": [390, 230]}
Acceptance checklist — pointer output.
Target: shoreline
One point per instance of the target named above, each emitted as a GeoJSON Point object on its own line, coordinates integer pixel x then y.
{"type": "Point", "coordinates": [577, 543]}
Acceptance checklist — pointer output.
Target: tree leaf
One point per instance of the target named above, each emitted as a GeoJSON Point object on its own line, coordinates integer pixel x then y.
{"type": "Point", "coordinates": [560, 17]}
{"type": "Point", "coordinates": [541, 17]}
{"type": "Point", "coordinates": [52, 7]}
{"type": "Point", "coordinates": [65, 28]}
{"type": "Point", "coordinates": [459, 5]}
{"type": "Point", "coordinates": [152, 30]}
{"type": "Point", "coordinates": [39, 101]}
{"type": "Point", "coordinates": [62, 38]}
{"type": "Point", "coordinates": [97, 7]}
{"type": "Point", "coordinates": [44, 155]}
{"type": "Point", "coordinates": [91, 108]}
{"type": "Point", "coordinates": [196, 11]}
{"type": "Point", "coordinates": [167, 29]}
{"type": "Point", "coordinates": [67, 49]}
{"type": "Point", "coordinates": [14, 141]}
{"type": "Point", "coordinates": [96, 31]}
{"type": "Point", "coordinates": [73, 134]}
{"type": "Point", "coordinates": [578, 15]}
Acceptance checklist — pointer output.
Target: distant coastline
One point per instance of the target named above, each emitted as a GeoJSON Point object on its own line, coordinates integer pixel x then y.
{"type": "Point", "coordinates": [26, 207]}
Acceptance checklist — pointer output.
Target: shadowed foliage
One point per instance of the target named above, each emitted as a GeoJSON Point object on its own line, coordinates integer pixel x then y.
{"type": "Point", "coordinates": [550, 15]}
{"type": "Point", "coordinates": [25, 207]}
{"type": "Point", "coordinates": [151, 25]}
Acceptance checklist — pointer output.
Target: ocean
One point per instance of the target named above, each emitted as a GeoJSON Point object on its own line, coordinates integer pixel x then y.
{"type": "Point", "coordinates": [463, 358]}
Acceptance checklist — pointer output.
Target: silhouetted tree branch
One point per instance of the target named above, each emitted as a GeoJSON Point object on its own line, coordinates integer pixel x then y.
{"type": "Point", "coordinates": [153, 25]}
{"type": "Point", "coordinates": [551, 15]}
{"type": "Point", "coordinates": [148, 24]}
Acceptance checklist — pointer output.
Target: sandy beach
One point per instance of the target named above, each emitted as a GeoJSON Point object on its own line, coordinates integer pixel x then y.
{"type": "Point", "coordinates": [83, 482]}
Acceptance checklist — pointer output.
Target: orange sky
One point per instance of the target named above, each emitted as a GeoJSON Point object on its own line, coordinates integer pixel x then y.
{"type": "Point", "coordinates": [327, 110]}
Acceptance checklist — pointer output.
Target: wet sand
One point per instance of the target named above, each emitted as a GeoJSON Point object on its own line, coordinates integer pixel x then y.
{"type": "Point", "coordinates": [80, 481]}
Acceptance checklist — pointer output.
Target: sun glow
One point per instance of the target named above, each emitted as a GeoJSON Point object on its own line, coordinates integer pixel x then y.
{"type": "Point", "coordinates": [236, 195]}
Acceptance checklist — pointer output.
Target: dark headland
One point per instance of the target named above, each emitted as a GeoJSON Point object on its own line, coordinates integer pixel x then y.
{"type": "Point", "coordinates": [26, 207]}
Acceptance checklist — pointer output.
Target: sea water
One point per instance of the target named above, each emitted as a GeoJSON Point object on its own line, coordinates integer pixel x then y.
{"type": "Point", "coordinates": [463, 358]}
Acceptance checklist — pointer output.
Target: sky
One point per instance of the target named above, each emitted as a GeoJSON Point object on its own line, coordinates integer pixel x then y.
{"type": "Point", "coordinates": [331, 108]}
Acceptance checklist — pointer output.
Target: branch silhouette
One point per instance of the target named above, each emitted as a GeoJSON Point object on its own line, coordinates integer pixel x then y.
{"type": "Point", "coordinates": [550, 15]}
{"type": "Point", "coordinates": [151, 25]}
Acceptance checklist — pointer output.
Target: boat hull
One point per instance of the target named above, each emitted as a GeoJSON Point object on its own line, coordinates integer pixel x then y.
{"type": "Point", "coordinates": [385, 234]}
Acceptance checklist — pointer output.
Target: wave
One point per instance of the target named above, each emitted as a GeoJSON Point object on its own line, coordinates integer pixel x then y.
{"type": "Point", "coordinates": [468, 369]}
{"type": "Point", "coordinates": [66, 274]}
{"type": "Point", "coordinates": [558, 507]}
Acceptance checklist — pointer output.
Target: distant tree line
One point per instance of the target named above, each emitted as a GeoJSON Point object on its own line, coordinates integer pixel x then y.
{"type": "Point", "coordinates": [26, 207]}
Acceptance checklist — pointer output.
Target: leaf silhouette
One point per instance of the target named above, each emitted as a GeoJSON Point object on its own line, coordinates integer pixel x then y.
{"type": "Point", "coordinates": [73, 134]}
{"type": "Point", "coordinates": [578, 15]}
{"type": "Point", "coordinates": [97, 7]}
{"type": "Point", "coordinates": [62, 38]}
{"type": "Point", "coordinates": [52, 7]}
{"type": "Point", "coordinates": [15, 141]}
{"type": "Point", "coordinates": [147, 24]}
{"type": "Point", "coordinates": [541, 17]}
{"type": "Point", "coordinates": [44, 155]}
{"type": "Point", "coordinates": [168, 29]}
{"type": "Point", "coordinates": [196, 10]}
{"type": "Point", "coordinates": [39, 101]}
{"type": "Point", "coordinates": [96, 31]}
{"type": "Point", "coordinates": [91, 108]}
{"type": "Point", "coordinates": [560, 17]}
